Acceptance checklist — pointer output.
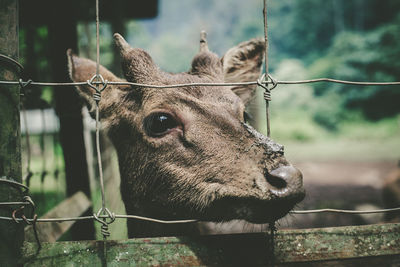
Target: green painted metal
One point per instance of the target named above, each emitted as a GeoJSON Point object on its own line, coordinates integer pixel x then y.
{"type": "Point", "coordinates": [223, 250]}
{"type": "Point", "coordinates": [11, 234]}
{"type": "Point", "coordinates": [338, 243]}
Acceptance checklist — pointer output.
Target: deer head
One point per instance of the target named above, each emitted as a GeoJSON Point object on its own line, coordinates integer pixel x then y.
{"type": "Point", "coordinates": [187, 152]}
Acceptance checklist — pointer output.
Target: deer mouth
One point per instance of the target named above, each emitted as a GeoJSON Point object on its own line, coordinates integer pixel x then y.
{"type": "Point", "coordinates": [251, 209]}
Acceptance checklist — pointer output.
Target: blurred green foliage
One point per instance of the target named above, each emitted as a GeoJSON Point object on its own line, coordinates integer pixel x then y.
{"type": "Point", "coordinates": [371, 56]}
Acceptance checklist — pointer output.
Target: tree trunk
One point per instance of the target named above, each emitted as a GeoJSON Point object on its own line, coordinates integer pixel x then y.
{"type": "Point", "coordinates": [11, 234]}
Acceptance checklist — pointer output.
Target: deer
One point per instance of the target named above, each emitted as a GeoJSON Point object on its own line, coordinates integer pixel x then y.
{"type": "Point", "coordinates": [188, 152]}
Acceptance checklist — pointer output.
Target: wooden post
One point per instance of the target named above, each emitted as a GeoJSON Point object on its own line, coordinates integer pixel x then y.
{"type": "Point", "coordinates": [11, 234]}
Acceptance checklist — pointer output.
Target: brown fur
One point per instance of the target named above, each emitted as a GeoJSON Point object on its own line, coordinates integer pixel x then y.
{"type": "Point", "coordinates": [213, 166]}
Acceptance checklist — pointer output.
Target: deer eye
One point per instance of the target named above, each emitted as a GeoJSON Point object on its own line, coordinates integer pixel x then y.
{"type": "Point", "coordinates": [159, 124]}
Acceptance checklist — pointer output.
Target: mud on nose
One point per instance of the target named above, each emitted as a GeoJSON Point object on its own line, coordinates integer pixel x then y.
{"type": "Point", "coordinates": [285, 181]}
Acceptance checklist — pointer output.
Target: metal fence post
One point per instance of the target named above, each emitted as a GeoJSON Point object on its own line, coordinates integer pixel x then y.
{"type": "Point", "coordinates": [11, 234]}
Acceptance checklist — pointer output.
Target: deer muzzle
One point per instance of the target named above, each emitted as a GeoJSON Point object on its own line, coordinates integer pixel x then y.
{"type": "Point", "coordinates": [286, 182]}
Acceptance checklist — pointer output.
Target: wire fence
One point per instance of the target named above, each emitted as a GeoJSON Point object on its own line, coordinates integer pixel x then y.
{"type": "Point", "coordinates": [104, 215]}
{"type": "Point", "coordinates": [143, 85]}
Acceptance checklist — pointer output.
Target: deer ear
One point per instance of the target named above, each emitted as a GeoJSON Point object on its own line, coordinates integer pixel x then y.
{"type": "Point", "coordinates": [242, 63]}
{"type": "Point", "coordinates": [82, 70]}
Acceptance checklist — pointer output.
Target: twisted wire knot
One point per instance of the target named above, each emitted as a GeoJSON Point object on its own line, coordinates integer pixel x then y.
{"type": "Point", "coordinates": [267, 95]}
{"type": "Point", "coordinates": [29, 199]}
{"type": "Point", "coordinates": [23, 84]}
{"type": "Point", "coordinates": [31, 221]}
{"type": "Point", "coordinates": [97, 96]}
{"type": "Point", "coordinates": [94, 83]}
{"type": "Point", "coordinates": [97, 80]}
{"type": "Point", "coordinates": [14, 213]}
{"type": "Point", "coordinates": [21, 210]}
{"type": "Point", "coordinates": [264, 83]}
{"type": "Point", "coordinates": [101, 216]}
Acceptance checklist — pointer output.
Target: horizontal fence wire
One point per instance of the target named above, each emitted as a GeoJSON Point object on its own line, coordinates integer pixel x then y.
{"type": "Point", "coordinates": [344, 211]}
{"type": "Point", "coordinates": [277, 82]}
{"type": "Point", "coordinates": [143, 218]}
{"type": "Point", "coordinates": [14, 203]}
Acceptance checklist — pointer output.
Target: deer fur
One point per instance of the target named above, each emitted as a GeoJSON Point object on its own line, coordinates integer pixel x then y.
{"type": "Point", "coordinates": [212, 166]}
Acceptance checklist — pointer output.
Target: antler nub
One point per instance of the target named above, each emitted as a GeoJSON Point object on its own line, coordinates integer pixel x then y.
{"type": "Point", "coordinates": [203, 42]}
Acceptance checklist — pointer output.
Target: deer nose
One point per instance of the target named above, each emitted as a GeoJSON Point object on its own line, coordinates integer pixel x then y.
{"type": "Point", "coordinates": [285, 181]}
